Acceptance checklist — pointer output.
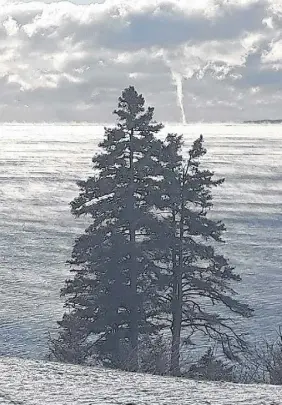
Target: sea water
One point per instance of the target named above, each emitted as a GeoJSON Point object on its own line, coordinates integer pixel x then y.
{"type": "Point", "coordinates": [39, 167]}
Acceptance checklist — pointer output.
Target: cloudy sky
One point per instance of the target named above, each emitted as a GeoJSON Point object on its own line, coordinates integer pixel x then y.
{"type": "Point", "coordinates": [62, 61]}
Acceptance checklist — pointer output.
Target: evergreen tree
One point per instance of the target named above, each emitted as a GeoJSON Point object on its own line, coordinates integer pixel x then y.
{"type": "Point", "coordinates": [195, 276]}
{"type": "Point", "coordinates": [71, 345]}
{"type": "Point", "coordinates": [148, 260]}
{"type": "Point", "coordinates": [211, 368]}
{"type": "Point", "coordinates": [112, 292]}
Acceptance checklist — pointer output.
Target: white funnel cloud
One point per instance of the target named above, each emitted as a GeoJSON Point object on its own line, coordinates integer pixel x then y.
{"type": "Point", "coordinates": [178, 81]}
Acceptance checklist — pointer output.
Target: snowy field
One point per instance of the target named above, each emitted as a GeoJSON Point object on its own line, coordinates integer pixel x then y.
{"type": "Point", "coordinates": [25, 382]}
{"type": "Point", "coordinates": [38, 169]}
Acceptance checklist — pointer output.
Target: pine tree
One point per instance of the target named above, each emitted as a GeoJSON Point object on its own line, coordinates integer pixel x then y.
{"type": "Point", "coordinates": [197, 277]}
{"type": "Point", "coordinates": [71, 345]}
{"type": "Point", "coordinates": [148, 260]}
{"type": "Point", "coordinates": [112, 292]}
{"type": "Point", "coordinates": [211, 368]}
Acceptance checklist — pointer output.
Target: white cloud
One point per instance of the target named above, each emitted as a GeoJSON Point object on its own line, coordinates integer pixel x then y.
{"type": "Point", "coordinates": [274, 54]}
{"type": "Point", "coordinates": [11, 26]}
{"type": "Point", "coordinates": [68, 61]}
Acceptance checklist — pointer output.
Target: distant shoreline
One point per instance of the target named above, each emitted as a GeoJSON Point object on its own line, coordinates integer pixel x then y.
{"type": "Point", "coordinates": [263, 122]}
{"type": "Point", "coordinates": [106, 124]}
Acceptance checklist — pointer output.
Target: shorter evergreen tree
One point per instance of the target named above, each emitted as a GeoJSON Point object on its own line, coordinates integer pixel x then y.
{"type": "Point", "coordinates": [70, 346]}
{"type": "Point", "coordinates": [211, 368]}
{"type": "Point", "coordinates": [154, 354]}
{"type": "Point", "coordinates": [198, 281]}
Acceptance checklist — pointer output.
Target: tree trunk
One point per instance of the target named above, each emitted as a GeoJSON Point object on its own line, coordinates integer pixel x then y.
{"type": "Point", "coordinates": [176, 312]}
{"type": "Point", "coordinates": [117, 361]}
{"type": "Point", "coordinates": [133, 326]}
{"type": "Point", "coordinates": [176, 330]}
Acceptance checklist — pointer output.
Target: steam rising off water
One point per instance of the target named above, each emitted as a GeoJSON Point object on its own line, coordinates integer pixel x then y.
{"type": "Point", "coordinates": [39, 165]}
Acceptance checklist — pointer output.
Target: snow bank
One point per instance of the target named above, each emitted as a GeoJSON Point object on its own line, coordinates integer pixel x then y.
{"type": "Point", "coordinates": [28, 382]}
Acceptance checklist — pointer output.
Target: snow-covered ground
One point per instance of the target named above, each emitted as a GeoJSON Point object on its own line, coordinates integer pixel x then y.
{"type": "Point", "coordinates": [39, 165]}
{"type": "Point", "coordinates": [25, 382]}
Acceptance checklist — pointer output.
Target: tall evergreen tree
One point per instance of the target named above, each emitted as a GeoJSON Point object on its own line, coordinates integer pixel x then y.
{"type": "Point", "coordinates": [197, 277]}
{"type": "Point", "coordinates": [148, 260]}
{"type": "Point", "coordinates": [111, 295]}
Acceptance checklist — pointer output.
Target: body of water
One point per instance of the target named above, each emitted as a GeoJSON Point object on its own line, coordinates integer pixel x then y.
{"type": "Point", "coordinates": [39, 167]}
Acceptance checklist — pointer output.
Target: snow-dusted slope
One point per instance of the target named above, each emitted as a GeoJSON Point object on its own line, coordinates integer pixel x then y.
{"type": "Point", "coordinates": [36, 382]}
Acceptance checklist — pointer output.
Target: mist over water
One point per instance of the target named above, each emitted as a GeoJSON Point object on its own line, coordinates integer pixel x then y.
{"type": "Point", "coordinates": [39, 167]}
